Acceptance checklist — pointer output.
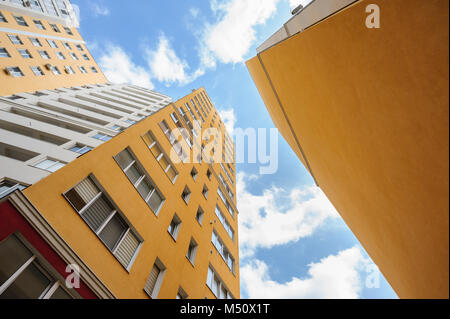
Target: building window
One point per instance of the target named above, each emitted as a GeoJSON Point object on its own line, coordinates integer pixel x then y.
{"type": "Point", "coordinates": [82, 69]}
{"type": "Point", "coordinates": [79, 47]}
{"type": "Point", "coordinates": [155, 279]}
{"type": "Point", "coordinates": [2, 18]}
{"type": "Point", "coordinates": [67, 46]}
{"type": "Point", "coordinates": [15, 39]}
{"type": "Point", "coordinates": [85, 57]}
{"type": "Point", "coordinates": [50, 165]}
{"type": "Point", "coordinates": [25, 53]}
{"type": "Point", "coordinates": [74, 56]}
{"type": "Point", "coordinates": [102, 137]}
{"type": "Point", "coordinates": [35, 5]}
{"type": "Point", "coordinates": [131, 122]}
{"type": "Point", "coordinates": [50, 7]}
{"type": "Point", "coordinates": [205, 192]}
{"type": "Point", "coordinates": [104, 218]}
{"type": "Point", "coordinates": [140, 180]}
{"type": "Point", "coordinates": [38, 24]}
{"type": "Point", "coordinates": [223, 250]}
{"type": "Point", "coordinates": [44, 54]}
{"type": "Point", "coordinates": [94, 69]}
{"type": "Point", "coordinates": [192, 251]}
{"type": "Point", "coordinates": [55, 70]}
{"type": "Point", "coordinates": [60, 55]}
{"type": "Point", "coordinates": [117, 128]}
{"type": "Point", "coordinates": [225, 201]}
{"type": "Point", "coordinates": [37, 70]}
{"type": "Point", "coordinates": [36, 42]}
{"type": "Point", "coordinates": [25, 275]}
{"type": "Point", "coordinates": [52, 44]}
{"type": "Point", "coordinates": [181, 294]}
{"type": "Point", "coordinates": [69, 69]}
{"type": "Point", "coordinates": [174, 227]}
{"type": "Point", "coordinates": [14, 71]}
{"type": "Point", "coordinates": [4, 53]}
{"type": "Point", "coordinates": [209, 174]}
{"type": "Point", "coordinates": [80, 149]}
{"type": "Point", "coordinates": [7, 187]}
{"type": "Point", "coordinates": [194, 173]}
{"type": "Point", "coordinates": [176, 146]}
{"type": "Point", "coordinates": [225, 223]}
{"type": "Point", "coordinates": [21, 21]}
{"type": "Point", "coordinates": [217, 286]}
{"type": "Point", "coordinates": [55, 28]}
{"type": "Point", "coordinates": [68, 31]}
{"type": "Point", "coordinates": [160, 156]}
{"type": "Point", "coordinates": [186, 195]}
{"type": "Point", "coordinates": [200, 215]}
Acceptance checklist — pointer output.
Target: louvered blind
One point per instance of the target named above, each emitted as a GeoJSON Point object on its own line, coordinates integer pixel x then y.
{"type": "Point", "coordinates": [151, 282]}
{"type": "Point", "coordinates": [127, 249]}
{"type": "Point", "coordinates": [97, 213]}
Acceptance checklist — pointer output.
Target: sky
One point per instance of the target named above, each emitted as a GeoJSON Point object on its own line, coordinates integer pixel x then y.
{"type": "Point", "coordinates": [293, 243]}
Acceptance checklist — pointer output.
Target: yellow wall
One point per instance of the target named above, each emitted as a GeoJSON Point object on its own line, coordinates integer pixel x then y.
{"type": "Point", "coordinates": [30, 82]}
{"type": "Point", "coordinates": [370, 109]}
{"type": "Point", "coordinates": [47, 197]}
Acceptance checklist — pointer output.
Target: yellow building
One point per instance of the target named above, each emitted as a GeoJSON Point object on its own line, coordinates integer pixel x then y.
{"type": "Point", "coordinates": [366, 111]}
{"type": "Point", "coordinates": [41, 48]}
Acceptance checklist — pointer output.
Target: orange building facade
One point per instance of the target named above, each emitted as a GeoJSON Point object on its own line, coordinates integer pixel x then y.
{"type": "Point", "coordinates": [366, 111]}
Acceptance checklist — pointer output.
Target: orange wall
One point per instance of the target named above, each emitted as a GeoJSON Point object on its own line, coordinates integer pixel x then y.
{"type": "Point", "coordinates": [46, 195]}
{"type": "Point", "coordinates": [30, 82]}
{"type": "Point", "coordinates": [370, 109]}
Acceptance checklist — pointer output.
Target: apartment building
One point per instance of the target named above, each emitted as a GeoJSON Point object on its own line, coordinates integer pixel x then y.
{"type": "Point", "coordinates": [366, 111]}
{"type": "Point", "coordinates": [113, 188]}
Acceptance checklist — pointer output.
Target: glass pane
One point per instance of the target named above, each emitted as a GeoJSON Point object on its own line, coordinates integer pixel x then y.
{"type": "Point", "coordinates": [155, 202]}
{"type": "Point", "coordinates": [124, 159]}
{"type": "Point", "coordinates": [113, 231]}
{"type": "Point", "coordinates": [164, 163]}
{"type": "Point", "coordinates": [133, 174]}
{"type": "Point", "coordinates": [45, 164]}
{"type": "Point", "coordinates": [172, 174]}
{"type": "Point", "coordinates": [148, 139]}
{"type": "Point", "coordinates": [156, 151]}
{"type": "Point", "coordinates": [13, 254]}
{"type": "Point", "coordinates": [56, 167]}
{"type": "Point", "coordinates": [144, 188]}
{"type": "Point", "coordinates": [29, 285]}
{"type": "Point", "coordinates": [60, 294]}
{"type": "Point", "coordinates": [96, 214]}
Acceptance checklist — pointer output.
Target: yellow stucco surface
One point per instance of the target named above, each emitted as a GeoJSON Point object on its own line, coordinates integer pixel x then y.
{"type": "Point", "coordinates": [47, 196]}
{"type": "Point", "coordinates": [370, 109]}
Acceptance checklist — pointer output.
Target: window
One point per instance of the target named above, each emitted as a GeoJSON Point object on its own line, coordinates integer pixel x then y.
{"type": "Point", "coordinates": [194, 174]}
{"type": "Point", "coordinates": [25, 275]}
{"type": "Point", "coordinates": [200, 215]}
{"type": "Point", "coordinates": [174, 227]}
{"type": "Point", "coordinates": [67, 46]}
{"type": "Point", "coordinates": [50, 165]}
{"type": "Point", "coordinates": [102, 137]}
{"type": "Point", "coordinates": [14, 71]}
{"type": "Point", "coordinates": [60, 55]}
{"type": "Point", "coordinates": [130, 121]}
{"type": "Point", "coordinates": [21, 21]}
{"type": "Point", "coordinates": [52, 44]}
{"type": "Point", "coordinates": [68, 31]}
{"type": "Point", "coordinates": [44, 54]}
{"type": "Point", "coordinates": [25, 54]}
{"type": "Point", "coordinates": [140, 180]}
{"type": "Point", "coordinates": [94, 69]}
{"type": "Point", "coordinates": [54, 27]}
{"type": "Point", "coordinates": [69, 69]}
{"type": "Point", "coordinates": [209, 174]}
{"type": "Point", "coordinates": [4, 53]}
{"type": "Point", "coordinates": [225, 223]}
{"type": "Point", "coordinates": [186, 195]}
{"type": "Point", "coordinates": [74, 56]}
{"type": "Point", "coordinates": [38, 24]}
{"type": "Point", "coordinates": [85, 57]}
{"type": "Point", "coordinates": [223, 250]}
{"type": "Point", "coordinates": [15, 39]}
{"type": "Point", "coordinates": [192, 251]}
{"type": "Point", "coordinates": [160, 156]}
{"type": "Point", "coordinates": [217, 286]}
{"type": "Point", "coordinates": [176, 146]}
{"type": "Point", "coordinates": [55, 70]}
{"type": "Point", "coordinates": [2, 18]}
{"type": "Point", "coordinates": [104, 218]}
{"type": "Point", "coordinates": [35, 5]}
{"type": "Point", "coordinates": [181, 294]}
{"type": "Point", "coordinates": [225, 201]}
{"type": "Point", "coordinates": [79, 47]}
{"type": "Point", "coordinates": [37, 70]}
{"type": "Point", "coordinates": [82, 69]}
{"type": "Point", "coordinates": [155, 279]}
{"type": "Point", "coordinates": [36, 42]}
{"type": "Point", "coordinates": [50, 7]}
{"type": "Point", "coordinates": [205, 191]}
{"type": "Point", "coordinates": [117, 128]}
{"type": "Point", "coordinates": [80, 149]}
{"type": "Point", "coordinates": [7, 187]}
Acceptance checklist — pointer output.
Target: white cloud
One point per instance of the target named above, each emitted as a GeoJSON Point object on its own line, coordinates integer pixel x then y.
{"type": "Point", "coordinates": [278, 217]}
{"type": "Point", "coordinates": [167, 67]}
{"type": "Point", "coordinates": [194, 12]}
{"type": "Point", "coordinates": [119, 68]}
{"type": "Point", "coordinates": [229, 119]}
{"type": "Point", "coordinates": [99, 9]}
{"type": "Point", "coordinates": [231, 38]}
{"type": "Point", "coordinates": [334, 277]}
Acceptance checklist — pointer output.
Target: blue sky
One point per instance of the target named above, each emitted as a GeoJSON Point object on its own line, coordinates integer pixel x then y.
{"type": "Point", "coordinates": [293, 242]}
